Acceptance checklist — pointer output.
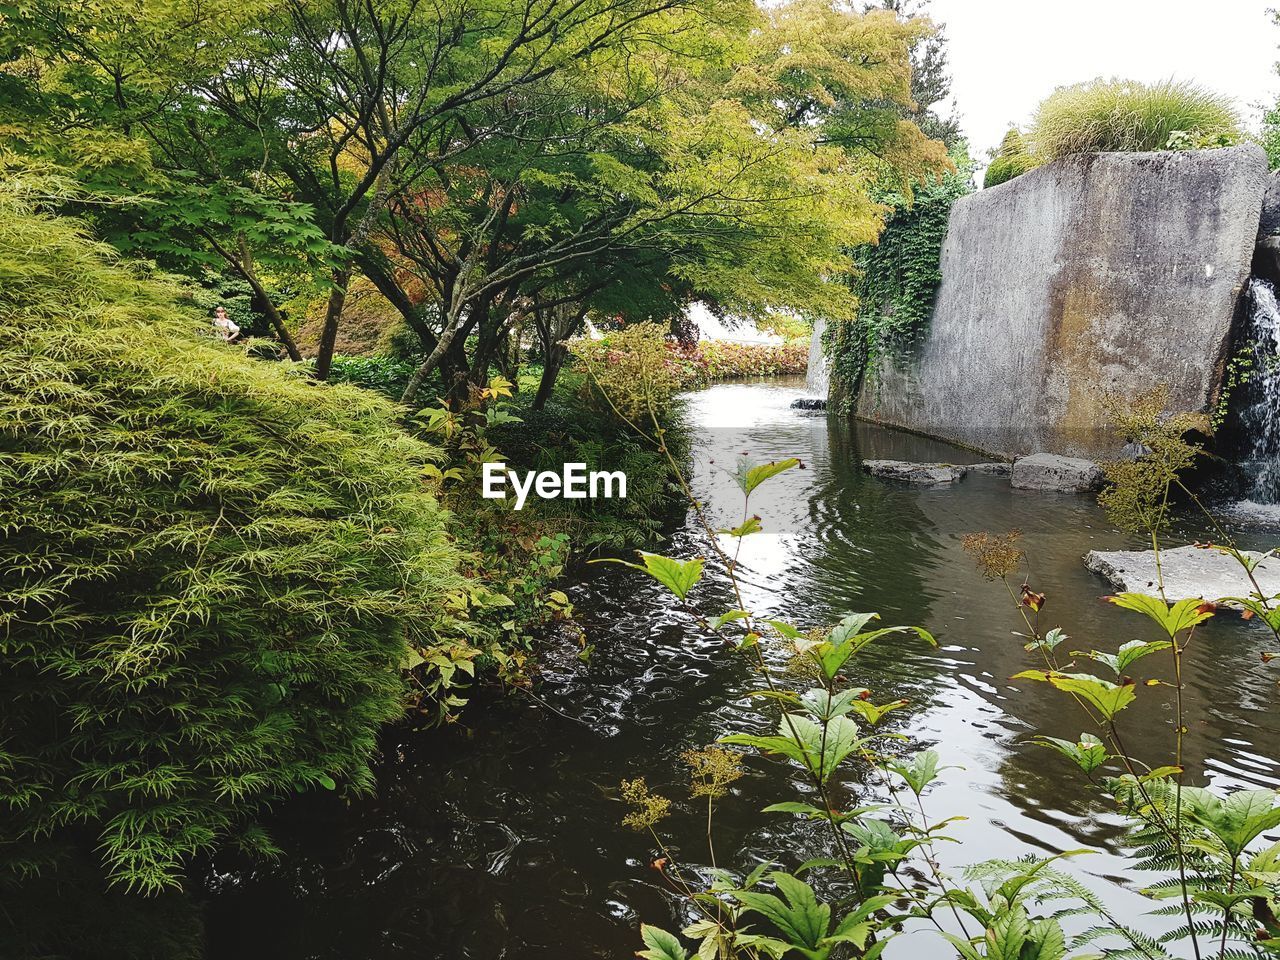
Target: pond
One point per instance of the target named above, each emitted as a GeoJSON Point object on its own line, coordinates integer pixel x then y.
{"type": "Point", "coordinates": [500, 836]}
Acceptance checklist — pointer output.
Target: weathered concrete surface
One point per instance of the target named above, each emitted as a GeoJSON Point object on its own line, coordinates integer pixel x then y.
{"type": "Point", "coordinates": [1095, 274]}
{"type": "Point", "coordinates": [1188, 572]}
{"type": "Point", "coordinates": [924, 473]}
{"type": "Point", "coordinates": [1048, 471]}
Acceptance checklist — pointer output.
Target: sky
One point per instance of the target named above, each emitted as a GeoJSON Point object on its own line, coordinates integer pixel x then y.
{"type": "Point", "coordinates": [1008, 55]}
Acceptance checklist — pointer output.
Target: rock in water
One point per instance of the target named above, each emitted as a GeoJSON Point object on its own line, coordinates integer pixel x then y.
{"type": "Point", "coordinates": [991, 469]}
{"type": "Point", "coordinates": [1048, 471]}
{"type": "Point", "coordinates": [931, 474]}
{"type": "Point", "coordinates": [1188, 572]}
{"type": "Point", "coordinates": [809, 403]}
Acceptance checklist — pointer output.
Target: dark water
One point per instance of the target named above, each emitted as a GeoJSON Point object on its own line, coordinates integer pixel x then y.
{"type": "Point", "coordinates": [500, 836]}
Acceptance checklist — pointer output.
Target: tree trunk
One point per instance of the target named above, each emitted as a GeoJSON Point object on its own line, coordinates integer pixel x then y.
{"type": "Point", "coordinates": [550, 372]}
{"type": "Point", "coordinates": [332, 314]}
{"type": "Point", "coordinates": [433, 360]}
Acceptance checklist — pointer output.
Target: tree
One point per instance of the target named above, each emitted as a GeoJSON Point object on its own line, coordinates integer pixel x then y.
{"type": "Point", "coordinates": [930, 79]}
{"type": "Point", "coordinates": [210, 577]}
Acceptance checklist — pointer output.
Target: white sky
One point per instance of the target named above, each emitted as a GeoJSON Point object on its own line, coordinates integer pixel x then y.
{"type": "Point", "coordinates": [1007, 55]}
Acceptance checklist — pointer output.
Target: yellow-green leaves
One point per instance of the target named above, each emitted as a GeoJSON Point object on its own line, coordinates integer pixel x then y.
{"type": "Point", "coordinates": [1172, 618]}
{"type": "Point", "coordinates": [1104, 696]}
{"type": "Point", "coordinates": [678, 576]}
{"type": "Point", "coordinates": [818, 747]}
{"type": "Point", "coordinates": [1088, 753]}
{"type": "Point", "coordinates": [751, 476]}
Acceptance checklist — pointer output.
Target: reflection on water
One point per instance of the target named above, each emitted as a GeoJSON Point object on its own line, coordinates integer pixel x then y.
{"type": "Point", "coordinates": [500, 836]}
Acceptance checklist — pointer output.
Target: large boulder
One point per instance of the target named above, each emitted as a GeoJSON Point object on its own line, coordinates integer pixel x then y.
{"type": "Point", "coordinates": [1095, 274]}
{"type": "Point", "coordinates": [1187, 572]}
{"type": "Point", "coordinates": [1047, 471]}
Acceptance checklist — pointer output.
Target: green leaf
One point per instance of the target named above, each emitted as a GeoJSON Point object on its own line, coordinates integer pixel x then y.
{"type": "Point", "coordinates": [1106, 697]}
{"type": "Point", "coordinates": [1049, 641]}
{"type": "Point", "coordinates": [1236, 821]}
{"type": "Point", "coordinates": [746, 528]}
{"type": "Point", "coordinates": [729, 617]}
{"type": "Point", "coordinates": [1173, 619]}
{"type": "Point", "coordinates": [921, 771]}
{"type": "Point", "coordinates": [1088, 753]}
{"type": "Point", "coordinates": [802, 920]}
{"type": "Point", "coordinates": [749, 477]}
{"type": "Point", "coordinates": [678, 576]}
{"type": "Point", "coordinates": [785, 629]}
{"type": "Point", "coordinates": [1008, 934]}
{"type": "Point", "coordinates": [662, 945]}
{"type": "Point", "coordinates": [1128, 654]}
{"type": "Point", "coordinates": [802, 740]}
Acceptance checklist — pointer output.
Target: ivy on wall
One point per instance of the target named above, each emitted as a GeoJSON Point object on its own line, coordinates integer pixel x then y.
{"type": "Point", "coordinates": [896, 279]}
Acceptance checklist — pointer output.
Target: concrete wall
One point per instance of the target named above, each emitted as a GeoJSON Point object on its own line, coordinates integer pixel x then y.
{"type": "Point", "coordinates": [1096, 274]}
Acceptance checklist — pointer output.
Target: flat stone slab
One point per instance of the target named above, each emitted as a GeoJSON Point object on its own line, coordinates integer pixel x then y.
{"type": "Point", "coordinates": [1048, 471]}
{"type": "Point", "coordinates": [991, 469]}
{"type": "Point", "coordinates": [931, 474]}
{"type": "Point", "coordinates": [1188, 572]}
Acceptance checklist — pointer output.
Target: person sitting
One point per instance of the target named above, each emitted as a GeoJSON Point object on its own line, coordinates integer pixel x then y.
{"type": "Point", "coordinates": [225, 325]}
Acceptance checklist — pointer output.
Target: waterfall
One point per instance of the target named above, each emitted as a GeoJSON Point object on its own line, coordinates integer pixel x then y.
{"type": "Point", "coordinates": [1259, 417]}
{"type": "Point", "coordinates": [818, 379]}
{"type": "Point", "coordinates": [743, 330]}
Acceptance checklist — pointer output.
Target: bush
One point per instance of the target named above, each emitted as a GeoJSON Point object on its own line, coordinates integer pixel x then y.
{"type": "Point", "coordinates": [383, 374]}
{"type": "Point", "coordinates": [1128, 116]}
{"type": "Point", "coordinates": [1013, 160]}
{"type": "Point", "coordinates": [211, 571]}
{"type": "Point", "coordinates": [708, 361]}
{"type": "Point", "coordinates": [631, 372]}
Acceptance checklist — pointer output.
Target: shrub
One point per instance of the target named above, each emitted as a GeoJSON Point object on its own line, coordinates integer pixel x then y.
{"type": "Point", "coordinates": [708, 361]}
{"type": "Point", "coordinates": [210, 573]}
{"type": "Point", "coordinates": [1013, 160]}
{"type": "Point", "coordinates": [1128, 116]}
{"type": "Point", "coordinates": [383, 374]}
{"type": "Point", "coordinates": [631, 372]}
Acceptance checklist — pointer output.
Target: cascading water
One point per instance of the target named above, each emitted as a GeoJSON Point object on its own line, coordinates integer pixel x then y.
{"type": "Point", "coordinates": [1259, 415]}
{"type": "Point", "coordinates": [818, 379]}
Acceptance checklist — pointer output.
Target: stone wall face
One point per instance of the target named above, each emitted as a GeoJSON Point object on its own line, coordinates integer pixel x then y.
{"type": "Point", "coordinates": [1096, 274]}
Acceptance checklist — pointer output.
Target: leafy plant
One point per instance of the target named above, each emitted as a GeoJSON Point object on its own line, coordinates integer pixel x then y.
{"type": "Point", "coordinates": [896, 278]}
{"type": "Point", "coordinates": [212, 574]}
{"type": "Point", "coordinates": [1012, 160]}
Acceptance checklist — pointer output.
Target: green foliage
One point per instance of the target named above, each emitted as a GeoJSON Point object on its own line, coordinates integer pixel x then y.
{"type": "Point", "coordinates": [1129, 116]}
{"type": "Point", "coordinates": [1011, 161]}
{"type": "Point", "coordinates": [897, 278]}
{"type": "Point", "coordinates": [1137, 491]}
{"type": "Point", "coordinates": [213, 571]}
{"type": "Point", "coordinates": [710, 361]}
{"type": "Point", "coordinates": [630, 373]}
{"type": "Point", "coordinates": [382, 374]}
{"type": "Point", "coordinates": [1204, 844]}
